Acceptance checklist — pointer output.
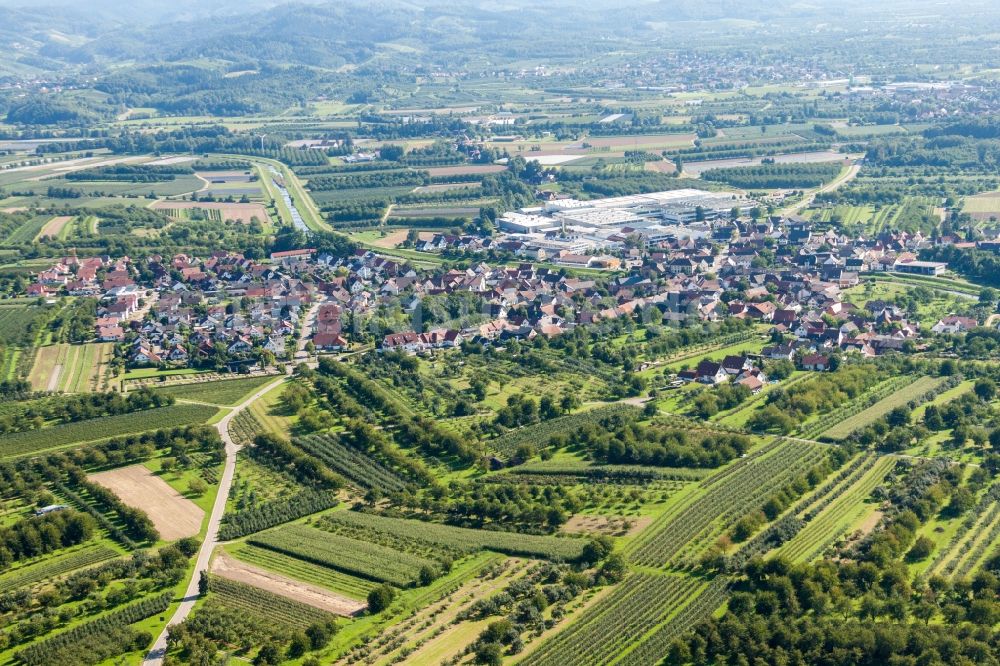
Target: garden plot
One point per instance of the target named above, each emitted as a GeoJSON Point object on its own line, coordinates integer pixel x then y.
{"type": "Point", "coordinates": [174, 516]}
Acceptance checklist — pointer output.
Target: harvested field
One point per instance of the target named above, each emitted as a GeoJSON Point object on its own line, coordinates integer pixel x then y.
{"type": "Point", "coordinates": [54, 227]}
{"type": "Point", "coordinates": [391, 240]}
{"type": "Point", "coordinates": [983, 206]}
{"type": "Point", "coordinates": [610, 525]}
{"type": "Point", "coordinates": [661, 167]}
{"type": "Point", "coordinates": [556, 160]}
{"type": "Point", "coordinates": [225, 176]}
{"type": "Point", "coordinates": [233, 569]}
{"type": "Point", "coordinates": [174, 516]}
{"type": "Point", "coordinates": [44, 368]}
{"type": "Point", "coordinates": [241, 212]}
{"type": "Point", "coordinates": [72, 368]}
{"type": "Point", "coordinates": [466, 169]}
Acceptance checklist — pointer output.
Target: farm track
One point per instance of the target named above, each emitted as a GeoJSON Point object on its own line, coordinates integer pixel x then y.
{"type": "Point", "coordinates": [158, 650]}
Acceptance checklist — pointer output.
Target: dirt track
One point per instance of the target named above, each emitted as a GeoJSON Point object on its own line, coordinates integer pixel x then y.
{"type": "Point", "coordinates": [174, 515]}
{"type": "Point", "coordinates": [233, 569]}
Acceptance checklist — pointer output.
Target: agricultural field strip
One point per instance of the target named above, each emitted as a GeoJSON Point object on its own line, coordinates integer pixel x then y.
{"type": "Point", "coordinates": [947, 558]}
{"type": "Point", "coordinates": [53, 566]}
{"type": "Point", "coordinates": [633, 610]}
{"type": "Point", "coordinates": [813, 503]}
{"type": "Point", "coordinates": [975, 558]}
{"type": "Point", "coordinates": [351, 556]}
{"type": "Point", "coordinates": [963, 548]}
{"type": "Point", "coordinates": [824, 422]}
{"type": "Point", "coordinates": [650, 650]}
{"type": "Point", "coordinates": [354, 465]}
{"type": "Point", "coordinates": [32, 441]}
{"type": "Point", "coordinates": [539, 434]}
{"type": "Point", "coordinates": [467, 540]}
{"type": "Point", "coordinates": [690, 524]}
{"type": "Point", "coordinates": [828, 525]}
{"type": "Point", "coordinates": [427, 622]}
{"type": "Point", "coordinates": [899, 398]}
{"type": "Point", "coordinates": [261, 603]}
{"type": "Point", "coordinates": [350, 586]}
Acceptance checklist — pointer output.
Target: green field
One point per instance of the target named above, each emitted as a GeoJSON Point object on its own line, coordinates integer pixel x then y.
{"type": "Point", "coordinates": [228, 392]}
{"type": "Point", "coordinates": [847, 504]}
{"type": "Point", "coordinates": [34, 441]}
{"type": "Point", "coordinates": [335, 581]}
{"type": "Point", "coordinates": [899, 398]}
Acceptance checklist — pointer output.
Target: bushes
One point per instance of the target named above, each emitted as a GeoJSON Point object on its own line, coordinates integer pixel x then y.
{"type": "Point", "coordinates": [380, 598]}
{"type": "Point", "coordinates": [306, 469]}
{"type": "Point", "coordinates": [43, 534]}
{"type": "Point", "coordinates": [424, 537]}
{"type": "Point", "coordinates": [358, 558]}
{"type": "Point", "coordinates": [96, 641]}
{"type": "Point", "coordinates": [274, 513]}
{"type": "Point", "coordinates": [774, 176]}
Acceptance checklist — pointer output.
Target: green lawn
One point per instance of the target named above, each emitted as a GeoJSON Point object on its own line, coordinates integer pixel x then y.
{"type": "Point", "coordinates": [228, 392]}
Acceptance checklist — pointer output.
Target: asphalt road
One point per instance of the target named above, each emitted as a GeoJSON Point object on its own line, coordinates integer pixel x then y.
{"type": "Point", "coordinates": [157, 652]}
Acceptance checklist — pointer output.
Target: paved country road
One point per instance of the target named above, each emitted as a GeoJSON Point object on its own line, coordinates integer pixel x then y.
{"type": "Point", "coordinates": [829, 187]}
{"type": "Point", "coordinates": [157, 652]}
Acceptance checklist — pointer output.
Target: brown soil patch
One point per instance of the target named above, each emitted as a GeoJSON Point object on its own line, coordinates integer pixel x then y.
{"type": "Point", "coordinates": [870, 523]}
{"type": "Point", "coordinates": [396, 238]}
{"type": "Point", "coordinates": [174, 515]}
{"type": "Point", "coordinates": [467, 168]}
{"type": "Point", "coordinates": [54, 226]}
{"type": "Point", "coordinates": [233, 569]}
{"type": "Point", "coordinates": [661, 167]}
{"type": "Point", "coordinates": [241, 212]}
{"type": "Point", "coordinates": [610, 525]}
{"type": "Point", "coordinates": [391, 240]}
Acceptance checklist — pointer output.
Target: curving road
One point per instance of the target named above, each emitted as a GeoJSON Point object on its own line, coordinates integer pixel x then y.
{"type": "Point", "coordinates": [157, 652]}
{"type": "Point", "coordinates": [829, 187]}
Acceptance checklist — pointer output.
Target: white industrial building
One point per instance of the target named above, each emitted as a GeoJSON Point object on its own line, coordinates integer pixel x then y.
{"type": "Point", "coordinates": [587, 226]}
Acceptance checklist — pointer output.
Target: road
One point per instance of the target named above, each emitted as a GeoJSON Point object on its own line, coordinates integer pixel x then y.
{"type": "Point", "coordinates": [308, 323]}
{"type": "Point", "coordinates": [157, 652]}
{"type": "Point", "coordinates": [829, 187]}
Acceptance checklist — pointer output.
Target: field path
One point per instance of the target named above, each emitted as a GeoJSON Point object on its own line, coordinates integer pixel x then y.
{"type": "Point", "coordinates": [829, 187]}
{"type": "Point", "coordinates": [159, 649]}
{"type": "Point", "coordinates": [54, 378]}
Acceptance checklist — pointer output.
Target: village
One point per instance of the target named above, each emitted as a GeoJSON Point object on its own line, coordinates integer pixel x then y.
{"type": "Point", "coordinates": [226, 311]}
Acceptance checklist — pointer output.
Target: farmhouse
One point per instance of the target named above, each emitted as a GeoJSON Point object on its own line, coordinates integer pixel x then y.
{"type": "Point", "coordinates": [954, 324]}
